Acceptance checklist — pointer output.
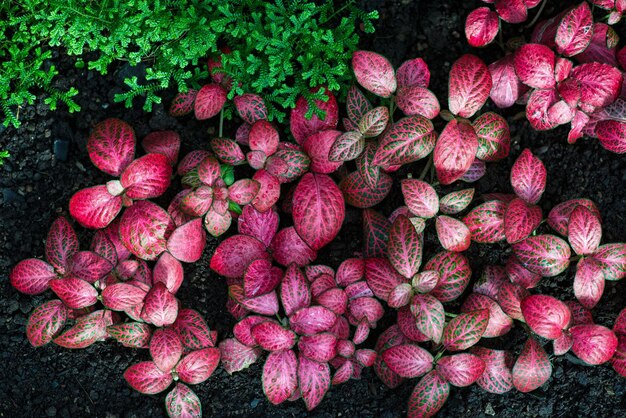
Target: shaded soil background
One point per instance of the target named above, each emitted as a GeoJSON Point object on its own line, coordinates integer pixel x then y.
{"type": "Point", "coordinates": [36, 187]}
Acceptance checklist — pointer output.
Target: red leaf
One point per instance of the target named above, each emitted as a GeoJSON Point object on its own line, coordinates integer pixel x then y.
{"type": "Point", "coordinates": [227, 151]}
{"type": "Point", "coordinates": [334, 299]}
{"type": "Point", "coordinates": [209, 101]}
{"type": "Point", "coordinates": [575, 31]}
{"type": "Point", "coordinates": [512, 11]}
{"type": "Point", "coordinates": [499, 322]}
{"type": "Point", "coordinates": [169, 271]}
{"type": "Point", "coordinates": [87, 330]}
{"type": "Point", "coordinates": [461, 369]}
{"type": "Point", "coordinates": [273, 337]}
{"type": "Point", "coordinates": [250, 107]}
{"type": "Point", "coordinates": [520, 220]}
{"type": "Point", "coordinates": [612, 259]}
{"type": "Point", "coordinates": [294, 161]}
{"type": "Point", "coordinates": [187, 241]}
{"type": "Point", "coordinates": [600, 84]}
{"type": "Point", "coordinates": [374, 73]}
{"type": "Point", "coordinates": [429, 316]}
{"type": "Point", "coordinates": [619, 358]}
{"type": "Point", "coordinates": [507, 87]}
{"type": "Point", "coordinates": [61, 245]}
{"type": "Point", "coordinates": [294, 290]}
{"type": "Point", "coordinates": [350, 271]}
{"type": "Point", "coordinates": [545, 315]}
{"type": "Point", "coordinates": [147, 378]}
{"type": "Point", "coordinates": [268, 193]}
{"type": "Point", "coordinates": [408, 140]}
{"type": "Point", "coordinates": [454, 275]}
{"type": "Point", "coordinates": [89, 266]}
{"type": "Point", "coordinates": [464, 330]}
{"type": "Point", "coordinates": [263, 137]}
{"type": "Point", "coordinates": [593, 344]}
{"type": "Point", "coordinates": [481, 26]}
{"type": "Point", "coordinates": [408, 360]}
{"type": "Point", "coordinates": [374, 122]}
{"type": "Point", "coordinates": [144, 228]}
{"type": "Point", "coordinates": [528, 177]}
{"type": "Point", "coordinates": [494, 138]}
{"type": "Point", "coordinates": [317, 146]}
{"type": "Point", "coordinates": [558, 218]}
{"type": "Point", "coordinates": [32, 276]}
{"type": "Point", "coordinates": [193, 330]}
{"type": "Point", "coordinates": [486, 222]}
{"type": "Point", "coordinates": [131, 334]}
{"type": "Point", "coordinates": [122, 296]}
{"type": "Point", "coordinates": [413, 73]}
{"type": "Point", "coordinates": [584, 231]}
{"type": "Point", "coordinates": [497, 377]}
{"type": "Point", "coordinates": [302, 127]}
{"type": "Point", "coordinates": [404, 247]}
{"type": "Point", "coordinates": [288, 247]}
{"type": "Point", "coordinates": [469, 86]}
{"type": "Point", "coordinates": [389, 338]}
{"type": "Point", "coordinates": [266, 304]}
{"type": "Point", "coordinates": [314, 381]}
{"type": "Point", "coordinates": [319, 347]}
{"type": "Point", "coordinates": [165, 348]}
{"type": "Point", "coordinates": [234, 254]}
{"type": "Point", "coordinates": [111, 146]}
{"type": "Point", "coordinates": [236, 356]}
{"type": "Point", "coordinates": [183, 103]}
{"type": "Point", "coordinates": [318, 210]}
{"type": "Point", "coordinates": [198, 366]}
{"type": "Point", "coordinates": [428, 396]}
{"type": "Point", "coordinates": [260, 225]}
{"type": "Point", "coordinates": [455, 151]}
{"type": "Point", "coordinates": [509, 297]}
{"type": "Point", "coordinates": [357, 193]}
{"type": "Point", "coordinates": [612, 135]}
{"type": "Point", "coordinates": [375, 234]}
{"type": "Point", "coordinates": [381, 277]}
{"type": "Point", "coordinates": [94, 207]}
{"type": "Point", "coordinates": [182, 402]}
{"type": "Point", "coordinates": [453, 234]}
{"type": "Point", "coordinates": [104, 247]}
{"type": "Point", "coordinates": [280, 378]}
{"type": "Point", "coordinates": [546, 255]}
{"type": "Point", "coordinates": [161, 307]}
{"type": "Point", "coordinates": [163, 142]}
{"type": "Point", "coordinates": [417, 100]}
{"type": "Point", "coordinates": [313, 320]}
{"type": "Point", "coordinates": [261, 278]}
{"type": "Point", "coordinates": [420, 197]}
{"type": "Point", "coordinates": [45, 322]}
{"type": "Point", "coordinates": [75, 293]}
{"type": "Point", "coordinates": [534, 65]}
{"type": "Point", "coordinates": [532, 368]}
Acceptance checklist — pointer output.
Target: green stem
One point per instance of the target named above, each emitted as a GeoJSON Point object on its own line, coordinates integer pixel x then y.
{"type": "Point", "coordinates": [221, 121]}
{"type": "Point", "coordinates": [426, 168]}
{"type": "Point", "coordinates": [538, 14]}
{"type": "Point", "coordinates": [451, 315]}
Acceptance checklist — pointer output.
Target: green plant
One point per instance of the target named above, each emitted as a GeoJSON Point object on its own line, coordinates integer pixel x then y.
{"type": "Point", "coordinates": [4, 155]}
{"type": "Point", "coordinates": [280, 49]}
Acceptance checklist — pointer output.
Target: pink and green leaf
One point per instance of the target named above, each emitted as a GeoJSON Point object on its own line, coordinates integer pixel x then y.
{"type": "Point", "coordinates": [408, 140]}
{"type": "Point", "coordinates": [374, 73]}
{"type": "Point", "coordinates": [546, 255]}
{"type": "Point", "coordinates": [147, 378]}
{"type": "Point", "coordinates": [280, 376]}
{"type": "Point", "coordinates": [532, 368]}
{"type": "Point", "coordinates": [428, 396]}
{"type": "Point", "coordinates": [486, 222]}
{"type": "Point", "coordinates": [454, 275]}
{"type": "Point", "coordinates": [465, 330]}
{"type": "Point", "coordinates": [455, 151]}
{"type": "Point", "coordinates": [197, 366]}
{"type": "Point", "coordinates": [131, 334]}
{"type": "Point", "coordinates": [45, 322]}
{"type": "Point", "coordinates": [182, 402]}
{"type": "Point", "coordinates": [111, 146]}
{"type": "Point", "coordinates": [461, 369]}
{"type": "Point", "coordinates": [456, 202]}
{"type": "Point", "coordinates": [469, 86]}
{"type": "Point", "coordinates": [166, 348]}
{"type": "Point", "coordinates": [546, 316]}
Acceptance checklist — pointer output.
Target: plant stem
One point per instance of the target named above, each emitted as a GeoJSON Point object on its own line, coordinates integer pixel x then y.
{"type": "Point", "coordinates": [221, 121]}
{"type": "Point", "coordinates": [543, 4]}
{"type": "Point", "coordinates": [427, 167]}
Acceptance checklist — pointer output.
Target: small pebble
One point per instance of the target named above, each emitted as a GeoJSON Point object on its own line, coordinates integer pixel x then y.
{"type": "Point", "coordinates": [489, 410]}
{"type": "Point", "coordinates": [13, 306]}
{"type": "Point", "coordinates": [61, 149]}
{"type": "Point", "coordinates": [51, 411]}
{"type": "Point", "coordinates": [255, 403]}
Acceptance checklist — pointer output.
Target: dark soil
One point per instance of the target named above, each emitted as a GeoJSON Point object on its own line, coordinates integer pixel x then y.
{"type": "Point", "coordinates": [36, 187]}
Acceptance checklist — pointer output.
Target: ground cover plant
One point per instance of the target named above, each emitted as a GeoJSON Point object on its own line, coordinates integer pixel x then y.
{"type": "Point", "coordinates": [311, 319]}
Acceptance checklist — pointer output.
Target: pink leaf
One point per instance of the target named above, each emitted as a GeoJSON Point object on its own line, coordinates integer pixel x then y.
{"type": "Point", "coordinates": [417, 100]}
{"type": "Point", "coordinates": [588, 282]}
{"type": "Point", "coordinates": [87, 330]}
{"type": "Point", "coordinates": [144, 228]}
{"type": "Point", "coordinates": [94, 207]}
{"type": "Point", "coordinates": [507, 87]}
{"type": "Point", "coordinates": [490, 281]}
{"type": "Point", "coordinates": [266, 304]}
{"type": "Point", "coordinates": [165, 348]}
{"type": "Point", "coordinates": [509, 297]}
{"type": "Point", "coordinates": [236, 356]}
{"type": "Point", "coordinates": [408, 325]}
{"type": "Point", "coordinates": [234, 254]}
{"type": "Point", "coordinates": [429, 316]}
{"type": "Point", "coordinates": [302, 127]}
{"type": "Point", "coordinates": [61, 245]}
{"type": "Point", "coordinates": [584, 231]}
{"type": "Point", "coordinates": [163, 142]}
{"type": "Point", "coordinates": [461, 369]}
{"type": "Point", "coordinates": [612, 259]}
{"type": "Point", "coordinates": [147, 177]}
{"type": "Point", "coordinates": [182, 402]}
{"type": "Point", "coordinates": [619, 358]}
{"type": "Point", "coordinates": [294, 290]}
{"type": "Point", "coordinates": [400, 296]}
{"type": "Point", "coordinates": [317, 147]}
{"type": "Point", "coordinates": [469, 86]}
{"type": "Point", "coordinates": [404, 247]}
{"type": "Point", "coordinates": [486, 222]}
{"type": "Point", "coordinates": [111, 146]}
{"type": "Point", "coordinates": [313, 380]}
{"type": "Point", "coordinates": [334, 299]}
{"type": "Point", "coordinates": [161, 307]}
{"type": "Point", "coordinates": [280, 378]}
{"type": "Point", "coordinates": [131, 334]}
{"type": "Point", "coordinates": [520, 220]}
{"type": "Point", "coordinates": [217, 223]}
{"type": "Point", "coordinates": [183, 103]}
{"type": "Point", "coordinates": [534, 65]}
{"type": "Point", "coordinates": [260, 225]}
{"type": "Point", "coordinates": [528, 177]}
{"type": "Point", "coordinates": [169, 271]}
{"type": "Point", "coordinates": [193, 330]}
{"type": "Point", "coordinates": [198, 366]}
{"type": "Point", "coordinates": [612, 135]}
{"type": "Point", "coordinates": [243, 329]}
{"type": "Point", "coordinates": [187, 241]}
{"type": "Point", "coordinates": [600, 84]}
{"type": "Point", "coordinates": [350, 271]}
{"type": "Point", "coordinates": [261, 278]}
{"type": "Point", "coordinates": [497, 377]}
{"type": "Point", "coordinates": [89, 266]}
{"type": "Point", "coordinates": [532, 368]}
{"type": "Point", "coordinates": [408, 360]}
{"type": "Point", "coordinates": [512, 11]}
{"type": "Point", "coordinates": [481, 26]}
{"type": "Point", "coordinates": [313, 320]}
{"type": "Point", "coordinates": [147, 378]}
{"type": "Point", "coordinates": [546, 255]}
{"type": "Point", "coordinates": [45, 322]}
{"type": "Point", "coordinates": [104, 247]}
{"type": "Point", "coordinates": [319, 347]}
{"type": "Point", "coordinates": [575, 31]}
{"type": "Point", "coordinates": [263, 137]}
{"type": "Point", "coordinates": [413, 73]}
{"type": "Point", "coordinates": [288, 247]}
{"type": "Point", "coordinates": [357, 193]}
{"type": "Point", "coordinates": [428, 396]}
{"type": "Point", "coordinates": [374, 73]}
{"type": "Point", "coordinates": [558, 218]}
{"type": "Point", "coordinates": [593, 344]}
{"type": "Point", "coordinates": [464, 330]}
{"type": "Point", "coordinates": [75, 293]}
{"type": "Point", "coordinates": [318, 209]}
{"type": "Point", "coordinates": [494, 138]}
{"type": "Point", "coordinates": [227, 151]}
{"type": "Point", "coordinates": [545, 315]}
{"type": "Point", "coordinates": [381, 277]}
{"type": "Point", "coordinates": [453, 234]}
{"type": "Point", "coordinates": [409, 139]}
{"type": "Point", "coordinates": [122, 296]}
{"type": "Point", "coordinates": [454, 275]}
{"type": "Point", "coordinates": [32, 276]}
{"type": "Point", "coordinates": [209, 101]}
{"type": "Point", "coordinates": [268, 193]}
{"type": "Point", "coordinates": [420, 197]}
{"type": "Point", "coordinates": [499, 322]}
{"type": "Point", "coordinates": [375, 234]}
{"type": "Point", "coordinates": [455, 151]}
{"type": "Point", "coordinates": [273, 337]}
{"type": "Point", "coordinates": [250, 107]}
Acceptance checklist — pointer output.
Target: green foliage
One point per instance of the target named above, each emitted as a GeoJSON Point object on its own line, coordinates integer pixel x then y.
{"type": "Point", "coordinates": [281, 48]}
{"type": "Point", "coordinates": [3, 156]}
